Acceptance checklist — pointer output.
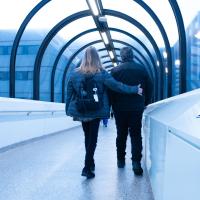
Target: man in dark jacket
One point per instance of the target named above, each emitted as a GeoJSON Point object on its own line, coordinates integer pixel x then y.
{"type": "Point", "coordinates": [128, 108]}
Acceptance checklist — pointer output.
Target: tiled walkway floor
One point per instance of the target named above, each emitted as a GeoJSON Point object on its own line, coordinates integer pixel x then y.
{"type": "Point", "coordinates": [50, 168]}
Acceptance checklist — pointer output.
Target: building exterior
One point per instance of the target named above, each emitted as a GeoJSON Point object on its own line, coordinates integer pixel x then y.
{"type": "Point", "coordinates": [26, 54]}
{"type": "Point", "coordinates": [193, 57]}
{"type": "Point", "coordinates": [193, 63]}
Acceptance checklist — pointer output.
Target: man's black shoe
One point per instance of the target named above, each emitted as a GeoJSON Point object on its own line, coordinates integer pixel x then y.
{"type": "Point", "coordinates": [88, 173]}
{"type": "Point", "coordinates": [120, 163]}
{"type": "Point", "coordinates": [137, 168]}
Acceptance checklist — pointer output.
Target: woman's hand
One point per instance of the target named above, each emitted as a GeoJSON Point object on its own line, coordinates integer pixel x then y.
{"type": "Point", "coordinates": [140, 90]}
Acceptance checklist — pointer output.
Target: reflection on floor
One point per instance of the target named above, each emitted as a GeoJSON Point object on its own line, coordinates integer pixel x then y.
{"type": "Point", "coordinates": [50, 168]}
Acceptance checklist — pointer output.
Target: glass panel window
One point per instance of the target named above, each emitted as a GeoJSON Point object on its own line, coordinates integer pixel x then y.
{"type": "Point", "coordinates": [32, 49]}
{"type": "Point", "coordinates": [30, 75]}
{"type": "Point", "coordinates": [5, 50]}
{"type": "Point", "coordinates": [24, 75]}
{"type": "Point", "coordinates": [20, 75]}
{"type": "Point", "coordinates": [1, 50]}
{"type": "Point", "coordinates": [193, 51]}
{"type": "Point", "coordinates": [4, 76]}
{"type": "Point", "coordinates": [20, 50]}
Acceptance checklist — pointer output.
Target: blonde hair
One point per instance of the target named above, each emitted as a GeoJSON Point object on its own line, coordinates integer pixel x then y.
{"type": "Point", "coordinates": [91, 62]}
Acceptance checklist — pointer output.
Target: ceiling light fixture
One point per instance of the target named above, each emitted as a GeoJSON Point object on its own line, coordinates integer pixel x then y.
{"type": "Point", "coordinates": [197, 35]}
{"type": "Point", "coordinates": [111, 54]}
{"type": "Point", "coordinates": [164, 54]}
{"type": "Point", "coordinates": [105, 38]}
{"type": "Point", "coordinates": [94, 7]}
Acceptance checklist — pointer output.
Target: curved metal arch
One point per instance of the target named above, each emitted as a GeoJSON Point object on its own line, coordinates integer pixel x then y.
{"type": "Point", "coordinates": [106, 56]}
{"type": "Point", "coordinates": [16, 44]}
{"type": "Point", "coordinates": [104, 49]}
{"type": "Point", "coordinates": [46, 41]}
{"type": "Point", "coordinates": [69, 62]}
{"type": "Point", "coordinates": [147, 63]}
{"type": "Point", "coordinates": [165, 39]}
{"type": "Point", "coordinates": [148, 35]}
{"type": "Point", "coordinates": [92, 30]}
{"type": "Point", "coordinates": [108, 61]}
{"type": "Point", "coordinates": [109, 66]}
{"type": "Point", "coordinates": [68, 20]}
{"type": "Point", "coordinates": [102, 63]}
{"type": "Point", "coordinates": [182, 44]}
{"type": "Point", "coordinates": [59, 56]}
{"type": "Point", "coordinates": [135, 57]}
{"type": "Point", "coordinates": [140, 42]}
{"type": "Point", "coordinates": [74, 55]}
{"type": "Point", "coordinates": [149, 69]}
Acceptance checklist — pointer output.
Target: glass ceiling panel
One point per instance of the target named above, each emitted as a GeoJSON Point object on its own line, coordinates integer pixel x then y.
{"type": "Point", "coordinates": [107, 64]}
{"type": "Point", "coordinates": [102, 53]}
{"type": "Point", "coordinates": [191, 15]}
{"type": "Point", "coordinates": [164, 12]}
{"type": "Point", "coordinates": [12, 16]}
{"type": "Point", "coordinates": [134, 10]}
{"type": "Point", "coordinates": [105, 59]}
{"type": "Point", "coordinates": [115, 22]}
{"type": "Point", "coordinates": [47, 17]}
{"type": "Point", "coordinates": [99, 45]}
{"type": "Point", "coordinates": [118, 45]}
{"type": "Point", "coordinates": [87, 38]}
{"type": "Point", "coordinates": [127, 39]}
{"type": "Point", "coordinates": [77, 46]}
{"type": "Point", "coordinates": [80, 55]}
{"type": "Point", "coordinates": [56, 10]}
{"type": "Point", "coordinates": [189, 10]}
{"type": "Point", "coordinates": [68, 32]}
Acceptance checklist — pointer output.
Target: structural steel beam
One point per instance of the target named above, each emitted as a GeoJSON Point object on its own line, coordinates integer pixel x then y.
{"type": "Point", "coordinates": [45, 43]}
{"type": "Point", "coordinates": [16, 44]}
{"type": "Point", "coordinates": [92, 30]}
{"type": "Point", "coordinates": [182, 45]}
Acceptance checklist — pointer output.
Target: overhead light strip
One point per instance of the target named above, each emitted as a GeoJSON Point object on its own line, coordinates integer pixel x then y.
{"type": "Point", "coordinates": [94, 7]}
{"type": "Point", "coordinates": [197, 35]}
{"type": "Point", "coordinates": [105, 38]}
{"type": "Point", "coordinates": [165, 54]}
{"type": "Point", "coordinates": [111, 54]}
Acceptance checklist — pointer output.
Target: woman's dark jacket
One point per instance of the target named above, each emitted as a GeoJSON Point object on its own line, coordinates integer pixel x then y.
{"type": "Point", "coordinates": [104, 81]}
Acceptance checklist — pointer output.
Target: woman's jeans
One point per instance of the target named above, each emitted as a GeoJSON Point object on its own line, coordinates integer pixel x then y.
{"type": "Point", "coordinates": [90, 129]}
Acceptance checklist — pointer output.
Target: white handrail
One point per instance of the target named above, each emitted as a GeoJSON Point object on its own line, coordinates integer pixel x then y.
{"type": "Point", "coordinates": [10, 111]}
{"type": "Point", "coordinates": [32, 111]}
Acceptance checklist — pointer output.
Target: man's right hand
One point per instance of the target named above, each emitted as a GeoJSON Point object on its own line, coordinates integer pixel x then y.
{"type": "Point", "coordinates": [140, 90]}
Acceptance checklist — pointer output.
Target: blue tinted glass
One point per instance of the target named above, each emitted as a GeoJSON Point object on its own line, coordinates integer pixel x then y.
{"type": "Point", "coordinates": [1, 50]}
{"type": "Point", "coordinates": [30, 75]}
{"type": "Point", "coordinates": [32, 49]}
{"type": "Point", "coordinates": [22, 75]}
{"type": "Point", "coordinates": [4, 76]}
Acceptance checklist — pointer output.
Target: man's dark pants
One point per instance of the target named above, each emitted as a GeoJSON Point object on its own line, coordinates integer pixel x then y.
{"type": "Point", "coordinates": [129, 122]}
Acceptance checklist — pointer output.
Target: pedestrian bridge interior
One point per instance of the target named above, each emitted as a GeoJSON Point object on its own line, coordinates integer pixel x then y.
{"type": "Point", "coordinates": [42, 150]}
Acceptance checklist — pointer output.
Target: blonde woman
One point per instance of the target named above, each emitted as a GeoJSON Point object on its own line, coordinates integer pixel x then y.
{"type": "Point", "coordinates": [87, 101]}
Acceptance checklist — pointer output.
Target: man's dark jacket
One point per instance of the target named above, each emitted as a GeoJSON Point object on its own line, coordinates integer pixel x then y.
{"type": "Point", "coordinates": [131, 73]}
